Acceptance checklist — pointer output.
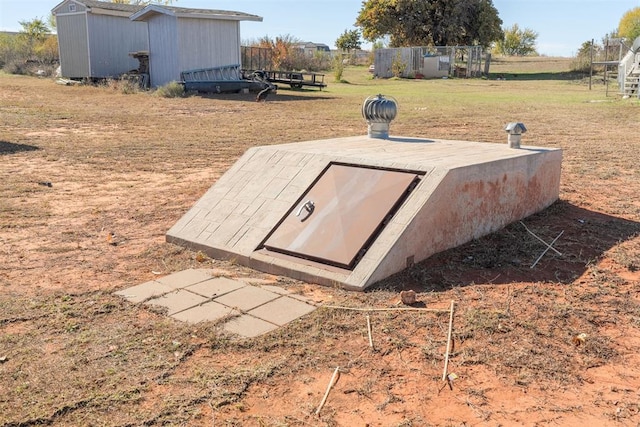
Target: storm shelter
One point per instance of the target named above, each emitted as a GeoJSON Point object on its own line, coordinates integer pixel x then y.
{"type": "Point", "coordinates": [352, 211]}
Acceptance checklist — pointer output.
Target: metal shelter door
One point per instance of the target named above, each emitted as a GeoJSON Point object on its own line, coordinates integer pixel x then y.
{"type": "Point", "coordinates": [341, 214]}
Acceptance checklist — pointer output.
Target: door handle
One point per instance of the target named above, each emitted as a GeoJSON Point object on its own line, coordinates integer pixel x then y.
{"type": "Point", "coordinates": [308, 206]}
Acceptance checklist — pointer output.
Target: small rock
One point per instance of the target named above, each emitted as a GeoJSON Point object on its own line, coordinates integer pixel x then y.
{"type": "Point", "coordinates": [579, 339]}
{"type": "Point", "coordinates": [408, 297]}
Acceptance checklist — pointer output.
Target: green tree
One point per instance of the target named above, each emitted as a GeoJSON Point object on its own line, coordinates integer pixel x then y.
{"type": "Point", "coordinates": [582, 61]}
{"type": "Point", "coordinates": [430, 22]}
{"type": "Point", "coordinates": [338, 68]}
{"type": "Point", "coordinates": [33, 44]}
{"type": "Point", "coordinates": [629, 26]}
{"type": "Point", "coordinates": [8, 49]}
{"type": "Point", "coordinates": [32, 36]}
{"type": "Point", "coordinates": [517, 42]}
{"type": "Point", "coordinates": [284, 54]}
{"type": "Point", "coordinates": [483, 24]}
{"type": "Point", "coordinates": [349, 40]}
{"type": "Point", "coordinates": [35, 30]}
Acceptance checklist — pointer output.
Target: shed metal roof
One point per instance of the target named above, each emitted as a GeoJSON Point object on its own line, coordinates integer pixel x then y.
{"type": "Point", "coordinates": [115, 7]}
{"type": "Point", "coordinates": [112, 6]}
{"type": "Point", "coordinates": [183, 12]}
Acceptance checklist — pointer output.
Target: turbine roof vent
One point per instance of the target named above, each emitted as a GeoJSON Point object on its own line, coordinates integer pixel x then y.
{"type": "Point", "coordinates": [379, 111]}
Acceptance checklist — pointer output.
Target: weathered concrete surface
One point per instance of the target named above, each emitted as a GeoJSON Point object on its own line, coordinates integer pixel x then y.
{"type": "Point", "coordinates": [469, 189]}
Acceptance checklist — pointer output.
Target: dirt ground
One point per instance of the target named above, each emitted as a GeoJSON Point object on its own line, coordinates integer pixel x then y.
{"type": "Point", "coordinates": [92, 178]}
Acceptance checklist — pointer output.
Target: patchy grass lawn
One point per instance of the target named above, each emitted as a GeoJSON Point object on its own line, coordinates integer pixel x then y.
{"type": "Point", "coordinates": [78, 163]}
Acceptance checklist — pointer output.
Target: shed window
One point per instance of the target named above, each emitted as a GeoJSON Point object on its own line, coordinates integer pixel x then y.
{"type": "Point", "coordinates": [72, 8]}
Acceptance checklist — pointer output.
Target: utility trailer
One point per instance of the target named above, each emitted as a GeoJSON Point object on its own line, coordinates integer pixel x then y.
{"type": "Point", "coordinates": [297, 79]}
{"type": "Point", "coordinates": [231, 78]}
{"type": "Point", "coordinates": [225, 79]}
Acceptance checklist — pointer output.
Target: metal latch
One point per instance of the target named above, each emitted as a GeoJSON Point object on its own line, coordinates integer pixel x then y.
{"type": "Point", "coordinates": [309, 206]}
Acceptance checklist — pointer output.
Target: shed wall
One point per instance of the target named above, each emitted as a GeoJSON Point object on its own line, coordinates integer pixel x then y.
{"type": "Point", "coordinates": [73, 45]}
{"type": "Point", "coordinates": [164, 64]}
{"type": "Point", "coordinates": [205, 43]}
{"type": "Point", "coordinates": [111, 38]}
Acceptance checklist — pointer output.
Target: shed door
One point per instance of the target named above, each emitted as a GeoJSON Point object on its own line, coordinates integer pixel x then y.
{"type": "Point", "coordinates": [341, 214]}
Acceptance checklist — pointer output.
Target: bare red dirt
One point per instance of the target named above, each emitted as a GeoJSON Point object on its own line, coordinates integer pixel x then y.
{"type": "Point", "coordinates": [91, 180]}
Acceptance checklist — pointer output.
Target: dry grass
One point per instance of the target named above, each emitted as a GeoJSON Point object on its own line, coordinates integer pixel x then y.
{"type": "Point", "coordinates": [72, 353]}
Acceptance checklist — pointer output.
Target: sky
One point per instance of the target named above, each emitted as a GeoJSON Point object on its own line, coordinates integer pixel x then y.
{"type": "Point", "coordinates": [562, 25]}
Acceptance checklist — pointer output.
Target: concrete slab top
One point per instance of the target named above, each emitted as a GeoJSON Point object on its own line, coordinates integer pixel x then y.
{"type": "Point", "coordinates": [421, 153]}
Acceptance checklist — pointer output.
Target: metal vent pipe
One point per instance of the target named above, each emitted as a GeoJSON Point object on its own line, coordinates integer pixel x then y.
{"type": "Point", "coordinates": [379, 111]}
{"type": "Point", "coordinates": [514, 131]}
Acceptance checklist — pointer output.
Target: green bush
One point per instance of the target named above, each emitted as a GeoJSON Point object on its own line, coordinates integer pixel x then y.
{"type": "Point", "coordinates": [128, 87]}
{"type": "Point", "coordinates": [22, 54]}
{"type": "Point", "coordinates": [124, 85]}
{"type": "Point", "coordinates": [11, 51]}
{"type": "Point", "coordinates": [170, 90]}
{"type": "Point", "coordinates": [15, 66]}
{"type": "Point", "coordinates": [398, 66]}
{"type": "Point", "coordinates": [337, 68]}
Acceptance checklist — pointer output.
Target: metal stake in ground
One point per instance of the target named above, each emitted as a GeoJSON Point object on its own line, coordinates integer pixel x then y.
{"type": "Point", "coordinates": [446, 355]}
{"type": "Point", "coordinates": [549, 246]}
{"type": "Point", "coordinates": [369, 331]}
{"type": "Point", "coordinates": [537, 237]}
{"type": "Point", "coordinates": [326, 394]}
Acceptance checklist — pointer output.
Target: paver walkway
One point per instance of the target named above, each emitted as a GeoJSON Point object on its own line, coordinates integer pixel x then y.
{"type": "Point", "coordinates": [195, 296]}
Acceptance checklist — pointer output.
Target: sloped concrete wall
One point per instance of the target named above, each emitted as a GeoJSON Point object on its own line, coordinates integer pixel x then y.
{"type": "Point", "coordinates": [471, 202]}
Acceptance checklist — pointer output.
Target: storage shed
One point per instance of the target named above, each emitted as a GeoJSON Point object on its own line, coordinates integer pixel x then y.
{"type": "Point", "coordinates": [95, 38]}
{"type": "Point", "coordinates": [182, 39]}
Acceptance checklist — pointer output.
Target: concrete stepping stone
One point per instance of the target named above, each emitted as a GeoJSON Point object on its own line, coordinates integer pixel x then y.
{"type": "Point", "coordinates": [145, 291]}
{"type": "Point", "coordinates": [208, 312]}
{"type": "Point", "coordinates": [248, 326]}
{"type": "Point", "coordinates": [247, 298]}
{"type": "Point", "coordinates": [282, 310]}
{"type": "Point", "coordinates": [215, 287]}
{"type": "Point", "coordinates": [275, 289]}
{"type": "Point", "coordinates": [195, 296]}
{"type": "Point", "coordinates": [184, 278]}
{"type": "Point", "coordinates": [177, 301]}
